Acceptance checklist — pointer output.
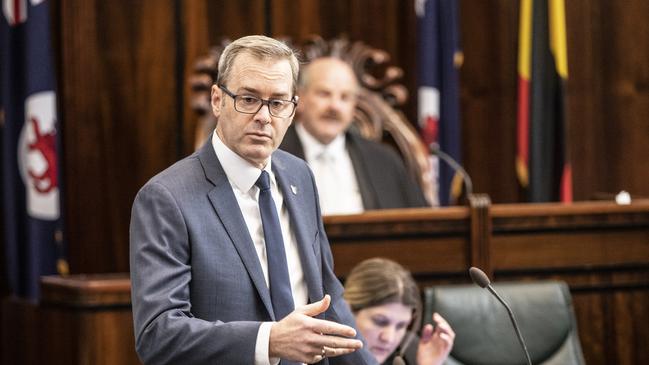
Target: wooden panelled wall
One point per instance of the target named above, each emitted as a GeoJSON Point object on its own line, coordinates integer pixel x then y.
{"type": "Point", "coordinates": [126, 110]}
{"type": "Point", "coordinates": [125, 103]}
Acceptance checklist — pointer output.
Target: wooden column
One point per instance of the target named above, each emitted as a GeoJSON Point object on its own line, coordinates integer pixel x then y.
{"type": "Point", "coordinates": [87, 319]}
{"type": "Point", "coordinates": [480, 241]}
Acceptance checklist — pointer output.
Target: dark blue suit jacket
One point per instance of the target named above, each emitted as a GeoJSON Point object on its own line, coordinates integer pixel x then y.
{"type": "Point", "coordinates": [198, 290]}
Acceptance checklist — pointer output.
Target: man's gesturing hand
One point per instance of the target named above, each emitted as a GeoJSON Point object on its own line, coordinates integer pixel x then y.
{"type": "Point", "coordinates": [299, 337]}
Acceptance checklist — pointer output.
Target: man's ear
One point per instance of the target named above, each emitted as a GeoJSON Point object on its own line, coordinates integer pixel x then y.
{"type": "Point", "coordinates": [215, 100]}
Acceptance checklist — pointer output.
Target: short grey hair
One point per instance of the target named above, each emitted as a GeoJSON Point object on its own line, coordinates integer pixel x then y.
{"type": "Point", "coordinates": [305, 78]}
{"type": "Point", "coordinates": [262, 48]}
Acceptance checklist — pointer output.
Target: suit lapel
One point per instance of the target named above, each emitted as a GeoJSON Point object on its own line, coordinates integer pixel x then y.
{"type": "Point", "coordinates": [291, 143]}
{"type": "Point", "coordinates": [363, 173]}
{"type": "Point", "coordinates": [295, 199]}
{"type": "Point", "coordinates": [227, 209]}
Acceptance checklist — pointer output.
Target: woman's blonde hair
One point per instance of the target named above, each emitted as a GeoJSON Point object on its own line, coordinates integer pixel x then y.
{"type": "Point", "coordinates": [379, 281]}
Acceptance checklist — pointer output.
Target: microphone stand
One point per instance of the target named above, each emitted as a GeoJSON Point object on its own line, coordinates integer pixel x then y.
{"type": "Point", "coordinates": [468, 184]}
{"type": "Point", "coordinates": [482, 280]}
{"type": "Point", "coordinates": [513, 319]}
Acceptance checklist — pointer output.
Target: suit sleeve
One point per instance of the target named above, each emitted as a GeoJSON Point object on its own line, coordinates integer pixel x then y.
{"type": "Point", "coordinates": [166, 332]}
{"type": "Point", "coordinates": [339, 310]}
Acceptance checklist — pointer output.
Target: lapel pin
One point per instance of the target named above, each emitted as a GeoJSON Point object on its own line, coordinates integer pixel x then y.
{"type": "Point", "coordinates": [294, 189]}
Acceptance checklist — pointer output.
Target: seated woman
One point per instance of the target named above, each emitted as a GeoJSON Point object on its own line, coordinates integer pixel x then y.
{"type": "Point", "coordinates": [387, 305]}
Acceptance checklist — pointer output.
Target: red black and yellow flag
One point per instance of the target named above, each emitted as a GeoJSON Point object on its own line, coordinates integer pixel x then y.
{"type": "Point", "coordinates": [542, 163]}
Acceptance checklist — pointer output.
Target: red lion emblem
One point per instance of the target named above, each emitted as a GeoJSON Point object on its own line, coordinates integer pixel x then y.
{"type": "Point", "coordinates": [431, 130]}
{"type": "Point", "coordinates": [46, 145]}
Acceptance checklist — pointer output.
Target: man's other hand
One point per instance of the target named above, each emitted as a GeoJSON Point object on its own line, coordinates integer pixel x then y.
{"type": "Point", "coordinates": [300, 337]}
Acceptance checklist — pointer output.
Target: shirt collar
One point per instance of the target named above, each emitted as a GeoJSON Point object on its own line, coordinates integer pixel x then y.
{"type": "Point", "coordinates": [240, 172]}
{"type": "Point", "coordinates": [313, 149]}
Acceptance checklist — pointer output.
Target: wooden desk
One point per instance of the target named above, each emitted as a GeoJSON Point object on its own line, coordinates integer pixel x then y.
{"type": "Point", "coordinates": [81, 319]}
{"type": "Point", "coordinates": [600, 249]}
{"type": "Point", "coordinates": [89, 319]}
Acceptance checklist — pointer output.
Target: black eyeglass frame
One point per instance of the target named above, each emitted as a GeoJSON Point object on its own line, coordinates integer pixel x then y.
{"type": "Point", "coordinates": [263, 102]}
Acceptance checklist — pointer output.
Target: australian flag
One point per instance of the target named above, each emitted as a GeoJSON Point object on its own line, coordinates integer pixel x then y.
{"type": "Point", "coordinates": [33, 237]}
{"type": "Point", "coordinates": [438, 96]}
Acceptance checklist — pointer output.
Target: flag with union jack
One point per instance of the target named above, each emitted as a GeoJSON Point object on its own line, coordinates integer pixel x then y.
{"type": "Point", "coordinates": [440, 57]}
{"type": "Point", "coordinates": [33, 235]}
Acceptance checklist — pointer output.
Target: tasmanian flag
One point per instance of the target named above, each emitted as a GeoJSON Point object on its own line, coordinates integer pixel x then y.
{"type": "Point", "coordinates": [30, 148]}
{"type": "Point", "coordinates": [440, 57]}
{"type": "Point", "coordinates": [542, 162]}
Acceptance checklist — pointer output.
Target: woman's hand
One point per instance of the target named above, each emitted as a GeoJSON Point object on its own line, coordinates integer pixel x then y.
{"type": "Point", "coordinates": [435, 344]}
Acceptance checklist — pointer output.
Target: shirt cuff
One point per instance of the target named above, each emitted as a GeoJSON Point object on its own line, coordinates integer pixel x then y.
{"type": "Point", "coordinates": [261, 346]}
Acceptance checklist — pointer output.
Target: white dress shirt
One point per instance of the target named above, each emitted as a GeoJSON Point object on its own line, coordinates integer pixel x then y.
{"type": "Point", "coordinates": [242, 177]}
{"type": "Point", "coordinates": [334, 174]}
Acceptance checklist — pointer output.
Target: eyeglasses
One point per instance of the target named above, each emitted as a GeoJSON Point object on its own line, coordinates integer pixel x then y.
{"type": "Point", "coordinates": [249, 104]}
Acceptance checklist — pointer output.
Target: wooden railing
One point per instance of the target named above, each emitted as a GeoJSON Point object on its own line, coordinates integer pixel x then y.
{"type": "Point", "coordinates": [600, 249]}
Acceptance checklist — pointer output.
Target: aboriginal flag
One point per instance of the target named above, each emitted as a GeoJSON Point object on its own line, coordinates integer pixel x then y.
{"type": "Point", "coordinates": [542, 162]}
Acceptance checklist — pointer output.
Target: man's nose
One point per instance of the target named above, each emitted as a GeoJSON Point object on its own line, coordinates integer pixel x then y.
{"type": "Point", "coordinates": [336, 103]}
{"type": "Point", "coordinates": [263, 114]}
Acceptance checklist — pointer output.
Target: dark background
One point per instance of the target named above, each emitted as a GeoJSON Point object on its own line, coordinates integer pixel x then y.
{"type": "Point", "coordinates": [125, 102]}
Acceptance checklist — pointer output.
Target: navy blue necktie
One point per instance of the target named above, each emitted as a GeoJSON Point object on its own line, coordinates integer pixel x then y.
{"type": "Point", "coordinates": [279, 281]}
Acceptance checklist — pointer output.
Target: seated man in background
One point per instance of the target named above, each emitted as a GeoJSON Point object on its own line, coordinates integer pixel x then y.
{"type": "Point", "coordinates": [353, 174]}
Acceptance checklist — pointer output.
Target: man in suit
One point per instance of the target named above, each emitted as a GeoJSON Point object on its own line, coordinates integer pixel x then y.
{"type": "Point", "coordinates": [229, 260]}
{"type": "Point", "coordinates": [353, 174]}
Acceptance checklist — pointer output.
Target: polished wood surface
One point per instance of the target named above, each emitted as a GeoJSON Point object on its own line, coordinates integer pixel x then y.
{"type": "Point", "coordinates": [548, 235]}
{"type": "Point", "coordinates": [117, 93]}
{"type": "Point", "coordinates": [126, 101]}
{"type": "Point", "coordinates": [81, 319]}
{"type": "Point", "coordinates": [91, 315]}
{"type": "Point", "coordinates": [87, 291]}
{"type": "Point", "coordinates": [599, 248]}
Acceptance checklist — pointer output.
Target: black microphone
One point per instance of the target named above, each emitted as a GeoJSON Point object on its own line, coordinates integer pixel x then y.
{"type": "Point", "coordinates": [468, 184]}
{"type": "Point", "coordinates": [480, 278]}
{"type": "Point", "coordinates": [399, 359]}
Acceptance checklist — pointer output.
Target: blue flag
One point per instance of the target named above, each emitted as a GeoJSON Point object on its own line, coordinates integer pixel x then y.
{"type": "Point", "coordinates": [30, 148]}
{"type": "Point", "coordinates": [440, 57]}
